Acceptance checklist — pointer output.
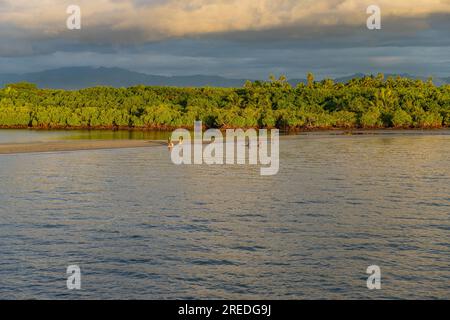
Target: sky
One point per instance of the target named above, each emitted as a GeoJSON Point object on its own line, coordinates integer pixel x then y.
{"type": "Point", "coordinates": [232, 38]}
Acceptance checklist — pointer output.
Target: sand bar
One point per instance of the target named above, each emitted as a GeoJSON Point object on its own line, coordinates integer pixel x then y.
{"type": "Point", "coordinates": [74, 145]}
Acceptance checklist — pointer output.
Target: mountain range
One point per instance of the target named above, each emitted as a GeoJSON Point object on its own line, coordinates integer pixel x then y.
{"type": "Point", "coordinates": [73, 78]}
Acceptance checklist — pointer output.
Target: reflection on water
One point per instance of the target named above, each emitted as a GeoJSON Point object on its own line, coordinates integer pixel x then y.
{"type": "Point", "coordinates": [24, 136]}
{"type": "Point", "coordinates": [33, 135]}
{"type": "Point", "coordinates": [121, 134]}
{"type": "Point", "coordinates": [140, 227]}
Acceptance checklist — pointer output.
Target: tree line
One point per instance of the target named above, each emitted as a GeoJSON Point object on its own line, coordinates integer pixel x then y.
{"type": "Point", "coordinates": [369, 102]}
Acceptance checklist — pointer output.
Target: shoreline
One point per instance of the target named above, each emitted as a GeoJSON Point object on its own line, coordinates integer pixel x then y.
{"type": "Point", "coordinates": [74, 145]}
{"type": "Point", "coordinates": [105, 144]}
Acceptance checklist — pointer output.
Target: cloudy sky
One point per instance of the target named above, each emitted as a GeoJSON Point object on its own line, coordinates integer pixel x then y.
{"type": "Point", "coordinates": [233, 38]}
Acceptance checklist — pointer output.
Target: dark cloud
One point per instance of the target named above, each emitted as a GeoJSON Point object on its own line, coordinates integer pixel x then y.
{"type": "Point", "coordinates": [186, 57]}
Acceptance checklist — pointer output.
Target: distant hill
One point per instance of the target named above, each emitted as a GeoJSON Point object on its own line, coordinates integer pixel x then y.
{"type": "Point", "coordinates": [83, 77]}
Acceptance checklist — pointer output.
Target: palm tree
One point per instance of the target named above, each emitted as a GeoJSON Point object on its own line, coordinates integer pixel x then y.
{"type": "Point", "coordinates": [310, 79]}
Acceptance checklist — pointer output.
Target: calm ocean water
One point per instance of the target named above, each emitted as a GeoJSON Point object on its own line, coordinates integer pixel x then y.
{"type": "Point", "coordinates": [141, 227]}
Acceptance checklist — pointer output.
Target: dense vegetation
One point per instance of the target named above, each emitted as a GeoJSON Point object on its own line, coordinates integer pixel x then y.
{"type": "Point", "coordinates": [370, 102]}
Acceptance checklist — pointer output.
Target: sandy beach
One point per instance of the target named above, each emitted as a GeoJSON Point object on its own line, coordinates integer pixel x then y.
{"type": "Point", "coordinates": [74, 145]}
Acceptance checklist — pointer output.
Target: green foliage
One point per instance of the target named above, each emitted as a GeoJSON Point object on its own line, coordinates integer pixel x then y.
{"type": "Point", "coordinates": [345, 119]}
{"type": "Point", "coordinates": [22, 86]}
{"type": "Point", "coordinates": [369, 102]}
{"type": "Point", "coordinates": [401, 119]}
{"type": "Point", "coordinates": [371, 118]}
{"type": "Point", "coordinates": [15, 116]}
{"type": "Point", "coordinates": [429, 120]}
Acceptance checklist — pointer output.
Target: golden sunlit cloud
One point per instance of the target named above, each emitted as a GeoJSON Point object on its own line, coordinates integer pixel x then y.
{"type": "Point", "coordinates": [156, 20]}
